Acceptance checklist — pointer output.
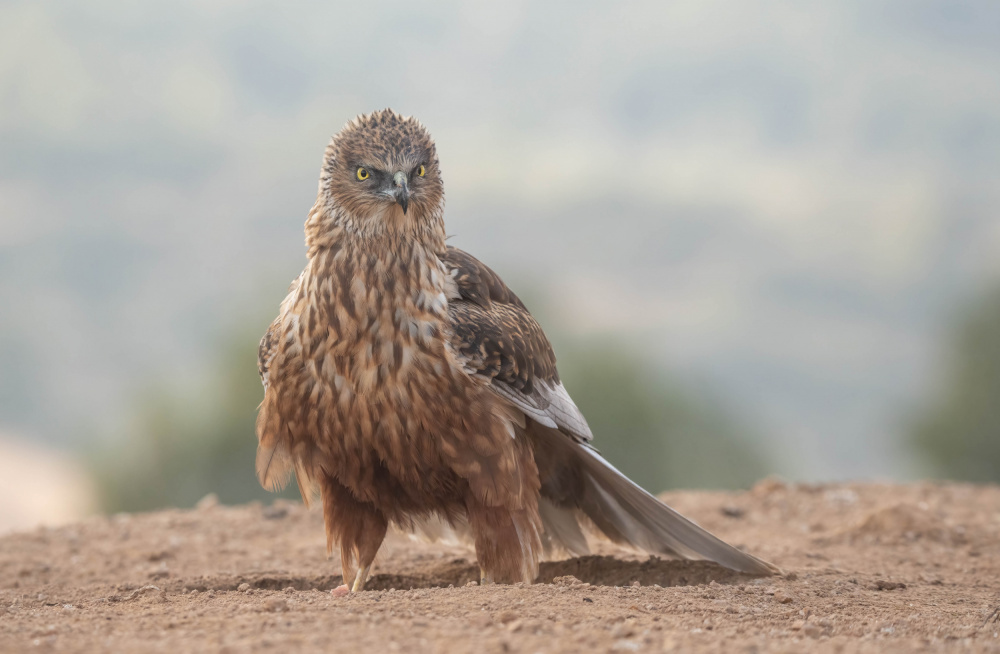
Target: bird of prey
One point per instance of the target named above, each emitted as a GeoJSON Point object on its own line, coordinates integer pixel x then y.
{"type": "Point", "coordinates": [405, 383]}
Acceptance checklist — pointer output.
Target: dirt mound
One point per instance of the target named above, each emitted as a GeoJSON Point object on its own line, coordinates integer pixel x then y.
{"type": "Point", "coordinates": [905, 522]}
{"type": "Point", "coordinates": [870, 567]}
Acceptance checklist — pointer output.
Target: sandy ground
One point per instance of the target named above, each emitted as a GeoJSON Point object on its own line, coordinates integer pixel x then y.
{"type": "Point", "coordinates": [868, 567]}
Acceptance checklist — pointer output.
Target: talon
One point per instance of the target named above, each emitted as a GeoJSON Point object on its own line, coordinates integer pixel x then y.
{"type": "Point", "coordinates": [360, 579]}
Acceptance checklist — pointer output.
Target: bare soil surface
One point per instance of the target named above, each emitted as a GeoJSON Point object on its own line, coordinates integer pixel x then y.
{"type": "Point", "coordinates": [868, 567]}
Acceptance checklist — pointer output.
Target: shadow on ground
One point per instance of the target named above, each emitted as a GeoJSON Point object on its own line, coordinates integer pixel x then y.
{"type": "Point", "coordinates": [595, 570]}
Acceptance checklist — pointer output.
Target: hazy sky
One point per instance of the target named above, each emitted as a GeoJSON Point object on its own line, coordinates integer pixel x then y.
{"type": "Point", "coordinates": [784, 200]}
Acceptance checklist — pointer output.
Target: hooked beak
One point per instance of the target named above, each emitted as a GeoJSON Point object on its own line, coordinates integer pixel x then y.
{"type": "Point", "coordinates": [401, 190]}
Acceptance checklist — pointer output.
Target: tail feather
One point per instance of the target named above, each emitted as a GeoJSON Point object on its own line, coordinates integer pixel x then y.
{"type": "Point", "coordinates": [576, 480]}
{"type": "Point", "coordinates": [562, 529]}
{"type": "Point", "coordinates": [628, 514]}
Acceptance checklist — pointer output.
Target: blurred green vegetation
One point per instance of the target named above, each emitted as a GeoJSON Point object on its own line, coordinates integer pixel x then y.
{"type": "Point", "coordinates": [659, 432]}
{"type": "Point", "coordinates": [186, 443]}
{"type": "Point", "coordinates": [958, 431]}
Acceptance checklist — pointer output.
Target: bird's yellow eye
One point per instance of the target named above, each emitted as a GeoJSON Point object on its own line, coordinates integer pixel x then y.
{"type": "Point", "coordinates": [421, 171]}
{"type": "Point", "coordinates": [362, 174]}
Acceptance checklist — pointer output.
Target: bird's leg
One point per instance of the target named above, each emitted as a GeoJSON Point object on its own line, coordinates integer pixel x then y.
{"type": "Point", "coordinates": [369, 532]}
{"type": "Point", "coordinates": [507, 542]}
{"type": "Point", "coordinates": [357, 526]}
{"type": "Point", "coordinates": [360, 579]}
{"type": "Point", "coordinates": [485, 578]}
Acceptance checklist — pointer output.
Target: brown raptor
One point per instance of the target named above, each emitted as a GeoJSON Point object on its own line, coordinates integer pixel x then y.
{"type": "Point", "coordinates": [406, 383]}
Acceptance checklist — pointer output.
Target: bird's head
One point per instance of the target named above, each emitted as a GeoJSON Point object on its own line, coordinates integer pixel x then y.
{"type": "Point", "coordinates": [380, 175]}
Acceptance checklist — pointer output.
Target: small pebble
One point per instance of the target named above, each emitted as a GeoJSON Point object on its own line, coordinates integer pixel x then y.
{"type": "Point", "coordinates": [274, 512]}
{"type": "Point", "coordinates": [506, 617]}
{"type": "Point", "coordinates": [276, 605]}
{"type": "Point", "coordinates": [732, 511]}
{"type": "Point", "coordinates": [210, 501]}
{"type": "Point", "coordinates": [812, 630]}
{"type": "Point", "coordinates": [783, 597]}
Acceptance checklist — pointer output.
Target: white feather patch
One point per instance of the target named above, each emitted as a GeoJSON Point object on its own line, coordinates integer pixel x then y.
{"type": "Point", "coordinates": [549, 405]}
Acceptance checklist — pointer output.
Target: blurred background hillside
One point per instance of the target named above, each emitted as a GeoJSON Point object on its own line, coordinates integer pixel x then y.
{"type": "Point", "coordinates": [762, 235]}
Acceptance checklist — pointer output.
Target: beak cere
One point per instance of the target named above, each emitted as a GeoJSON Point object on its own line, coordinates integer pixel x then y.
{"type": "Point", "coordinates": [401, 190]}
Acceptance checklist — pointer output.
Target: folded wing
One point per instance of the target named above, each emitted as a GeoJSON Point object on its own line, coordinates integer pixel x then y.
{"type": "Point", "coordinates": [499, 342]}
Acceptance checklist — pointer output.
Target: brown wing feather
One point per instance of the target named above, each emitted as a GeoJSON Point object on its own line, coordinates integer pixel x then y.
{"type": "Point", "coordinates": [479, 284]}
{"type": "Point", "coordinates": [504, 344]}
{"type": "Point", "coordinates": [498, 340]}
{"type": "Point", "coordinates": [494, 330]}
{"type": "Point", "coordinates": [274, 464]}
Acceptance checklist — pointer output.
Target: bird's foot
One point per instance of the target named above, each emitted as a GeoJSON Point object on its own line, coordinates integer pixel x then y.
{"type": "Point", "coordinates": [485, 577]}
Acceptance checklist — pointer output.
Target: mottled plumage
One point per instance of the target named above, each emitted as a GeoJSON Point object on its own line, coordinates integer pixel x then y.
{"type": "Point", "coordinates": [405, 383]}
